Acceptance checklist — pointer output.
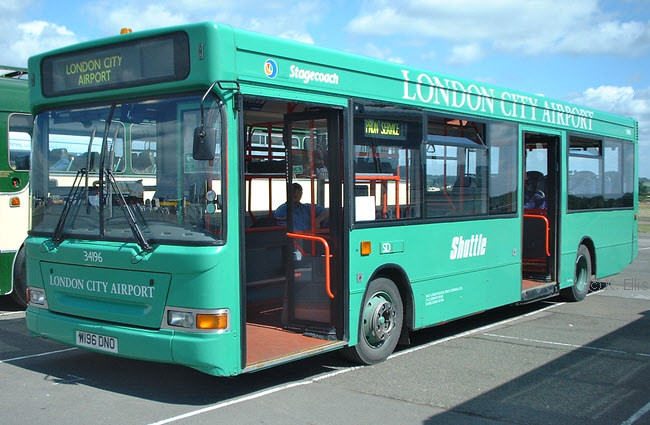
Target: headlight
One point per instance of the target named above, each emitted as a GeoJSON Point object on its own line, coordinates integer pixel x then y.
{"type": "Point", "coordinates": [183, 319]}
{"type": "Point", "coordinates": [37, 297]}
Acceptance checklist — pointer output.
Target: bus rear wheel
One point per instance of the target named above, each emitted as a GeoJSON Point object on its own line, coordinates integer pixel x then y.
{"type": "Point", "coordinates": [19, 293]}
{"type": "Point", "coordinates": [380, 325]}
{"type": "Point", "coordinates": [582, 279]}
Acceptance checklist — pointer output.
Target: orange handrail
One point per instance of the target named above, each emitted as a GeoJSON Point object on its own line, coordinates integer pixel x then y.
{"type": "Point", "coordinates": [548, 252]}
{"type": "Point", "coordinates": [328, 287]}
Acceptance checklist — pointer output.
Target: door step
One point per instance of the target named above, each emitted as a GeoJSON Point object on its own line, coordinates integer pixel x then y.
{"type": "Point", "coordinates": [538, 292]}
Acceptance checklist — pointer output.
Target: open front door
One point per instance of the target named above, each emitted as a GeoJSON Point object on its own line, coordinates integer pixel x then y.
{"type": "Point", "coordinates": [314, 222]}
{"type": "Point", "coordinates": [292, 267]}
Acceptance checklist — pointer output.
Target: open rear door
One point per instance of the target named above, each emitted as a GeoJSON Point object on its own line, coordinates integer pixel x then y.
{"type": "Point", "coordinates": [540, 221]}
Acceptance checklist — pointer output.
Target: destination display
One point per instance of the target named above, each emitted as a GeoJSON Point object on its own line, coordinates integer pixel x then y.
{"type": "Point", "coordinates": [137, 62]}
{"type": "Point", "coordinates": [379, 131]}
{"type": "Point", "coordinates": [385, 129]}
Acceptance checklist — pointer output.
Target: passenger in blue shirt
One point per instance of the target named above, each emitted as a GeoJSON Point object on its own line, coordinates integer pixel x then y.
{"type": "Point", "coordinates": [301, 212]}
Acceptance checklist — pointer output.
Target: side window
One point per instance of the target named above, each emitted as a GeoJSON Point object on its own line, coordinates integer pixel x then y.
{"type": "Point", "coordinates": [502, 143]}
{"type": "Point", "coordinates": [585, 177]}
{"type": "Point", "coordinates": [456, 168]}
{"type": "Point", "coordinates": [628, 174]}
{"type": "Point", "coordinates": [20, 141]}
{"type": "Point", "coordinates": [601, 174]}
{"type": "Point", "coordinates": [618, 173]}
{"type": "Point", "coordinates": [387, 173]}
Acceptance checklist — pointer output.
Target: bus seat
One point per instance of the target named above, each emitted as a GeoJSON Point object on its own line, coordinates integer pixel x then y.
{"type": "Point", "coordinates": [266, 221]}
{"type": "Point", "coordinates": [362, 165]}
{"type": "Point", "coordinates": [146, 162]}
{"type": "Point", "coordinates": [78, 162]}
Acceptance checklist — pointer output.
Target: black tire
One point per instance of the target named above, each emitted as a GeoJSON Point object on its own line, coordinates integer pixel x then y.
{"type": "Point", "coordinates": [582, 277]}
{"type": "Point", "coordinates": [19, 293]}
{"type": "Point", "coordinates": [380, 324]}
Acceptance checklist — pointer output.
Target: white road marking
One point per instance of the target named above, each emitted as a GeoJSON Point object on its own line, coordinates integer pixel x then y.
{"type": "Point", "coordinates": [15, 359]}
{"type": "Point", "coordinates": [10, 313]}
{"type": "Point", "coordinates": [341, 371]}
{"type": "Point", "coordinates": [635, 417]}
{"type": "Point", "coordinates": [562, 344]}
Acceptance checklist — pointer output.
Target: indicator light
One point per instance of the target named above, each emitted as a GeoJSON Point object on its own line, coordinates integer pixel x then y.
{"type": "Point", "coordinates": [212, 321]}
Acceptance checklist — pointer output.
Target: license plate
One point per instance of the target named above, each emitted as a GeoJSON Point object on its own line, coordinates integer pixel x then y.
{"type": "Point", "coordinates": [98, 342]}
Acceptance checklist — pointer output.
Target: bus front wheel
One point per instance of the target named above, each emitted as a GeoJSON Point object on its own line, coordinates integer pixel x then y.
{"type": "Point", "coordinates": [19, 293]}
{"type": "Point", "coordinates": [582, 279]}
{"type": "Point", "coordinates": [380, 324]}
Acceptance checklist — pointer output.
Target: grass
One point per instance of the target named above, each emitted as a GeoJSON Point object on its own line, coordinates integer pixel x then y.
{"type": "Point", "coordinates": [644, 213]}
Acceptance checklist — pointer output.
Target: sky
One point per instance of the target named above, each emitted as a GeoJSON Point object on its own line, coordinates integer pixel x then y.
{"type": "Point", "coordinates": [595, 53]}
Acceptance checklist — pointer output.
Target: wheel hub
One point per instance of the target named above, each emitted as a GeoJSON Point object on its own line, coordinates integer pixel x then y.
{"type": "Point", "coordinates": [379, 319]}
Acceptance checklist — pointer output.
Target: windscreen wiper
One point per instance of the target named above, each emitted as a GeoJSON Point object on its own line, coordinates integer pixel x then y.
{"type": "Point", "coordinates": [57, 237]}
{"type": "Point", "coordinates": [128, 213]}
{"type": "Point", "coordinates": [73, 196]}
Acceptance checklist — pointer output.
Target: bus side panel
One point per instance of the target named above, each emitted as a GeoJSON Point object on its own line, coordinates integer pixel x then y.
{"type": "Point", "coordinates": [455, 269]}
{"type": "Point", "coordinates": [6, 260]}
{"type": "Point", "coordinates": [612, 236]}
{"type": "Point", "coordinates": [13, 232]}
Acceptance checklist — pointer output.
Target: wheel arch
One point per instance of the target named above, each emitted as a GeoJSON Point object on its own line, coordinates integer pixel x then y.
{"type": "Point", "coordinates": [589, 243]}
{"type": "Point", "coordinates": [17, 292]}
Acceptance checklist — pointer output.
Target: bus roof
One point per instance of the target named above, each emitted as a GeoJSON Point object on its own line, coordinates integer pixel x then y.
{"type": "Point", "coordinates": [14, 89]}
{"type": "Point", "coordinates": [277, 67]}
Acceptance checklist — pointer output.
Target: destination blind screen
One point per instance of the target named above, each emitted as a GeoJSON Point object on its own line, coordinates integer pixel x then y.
{"type": "Point", "coordinates": [385, 129]}
{"type": "Point", "coordinates": [377, 131]}
{"type": "Point", "coordinates": [138, 62]}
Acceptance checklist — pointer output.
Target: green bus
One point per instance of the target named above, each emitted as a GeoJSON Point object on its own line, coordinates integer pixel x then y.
{"type": "Point", "coordinates": [424, 199]}
{"type": "Point", "coordinates": [15, 140]}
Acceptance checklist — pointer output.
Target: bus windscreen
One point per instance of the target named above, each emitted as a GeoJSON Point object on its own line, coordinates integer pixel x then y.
{"type": "Point", "coordinates": [128, 64]}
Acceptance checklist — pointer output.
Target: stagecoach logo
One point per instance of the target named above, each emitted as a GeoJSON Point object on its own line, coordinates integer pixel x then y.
{"type": "Point", "coordinates": [308, 75]}
{"type": "Point", "coordinates": [474, 246]}
{"type": "Point", "coordinates": [271, 68]}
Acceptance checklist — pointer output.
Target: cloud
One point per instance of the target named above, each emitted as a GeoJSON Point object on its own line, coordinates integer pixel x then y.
{"type": "Point", "coordinates": [33, 37]}
{"type": "Point", "coordinates": [12, 9]}
{"type": "Point", "coordinates": [613, 38]}
{"type": "Point", "coordinates": [531, 27]}
{"type": "Point", "coordinates": [284, 19]}
{"type": "Point", "coordinates": [623, 101]}
{"type": "Point", "coordinates": [148, 16]}
{"type": "Point", "coordinates": [23, 38]}
{"type": "Point", "coordinates": [374, 51]}
{"type": "Point", "coordinates": [463, 55]}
